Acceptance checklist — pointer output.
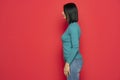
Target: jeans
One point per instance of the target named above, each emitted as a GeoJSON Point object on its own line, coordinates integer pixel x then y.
{"type": "Point", "coordinates": [75, 68]}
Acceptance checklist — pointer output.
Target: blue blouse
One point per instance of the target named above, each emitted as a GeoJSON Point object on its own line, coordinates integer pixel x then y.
{"type": "Point", "coordinates": [70, 40]}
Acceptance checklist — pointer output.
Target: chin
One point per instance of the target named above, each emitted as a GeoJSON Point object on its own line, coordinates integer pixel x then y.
{"type": "Point", "coordinates": [64, 17]}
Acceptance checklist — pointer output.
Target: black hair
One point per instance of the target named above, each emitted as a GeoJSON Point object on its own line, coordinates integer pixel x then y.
{"type": "Point", "coordinates": [71, 12]}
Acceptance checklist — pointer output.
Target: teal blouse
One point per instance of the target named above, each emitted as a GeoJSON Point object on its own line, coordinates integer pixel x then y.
{"type": "Point", "coordinates": [70, 40]}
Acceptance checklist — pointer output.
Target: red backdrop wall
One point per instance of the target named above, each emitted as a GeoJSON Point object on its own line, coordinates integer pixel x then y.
{"type": "Point", "coordinates": [31, 46]}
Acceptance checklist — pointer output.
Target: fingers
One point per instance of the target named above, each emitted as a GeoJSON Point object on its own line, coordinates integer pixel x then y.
{"type": "Point", "coordinates": [66, 73]}
{"type": "Point", "coordinates": [69, 72]}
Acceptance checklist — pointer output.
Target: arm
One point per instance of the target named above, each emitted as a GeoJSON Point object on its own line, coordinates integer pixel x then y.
{"type": "Point", "coordinates": [73, 31]}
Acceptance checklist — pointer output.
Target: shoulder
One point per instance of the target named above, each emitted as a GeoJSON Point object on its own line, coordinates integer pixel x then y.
{"type": "Point", "coordinates": [73, 26]}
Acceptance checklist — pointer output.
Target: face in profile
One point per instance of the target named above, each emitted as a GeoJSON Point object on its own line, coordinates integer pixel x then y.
{"type": "Point", "coordinates": [63, 14]}
{"type": "Point", "coordinates": [70, 12]}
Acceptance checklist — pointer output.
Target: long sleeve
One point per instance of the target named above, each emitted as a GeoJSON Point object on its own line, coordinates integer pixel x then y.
{"type": "Point", "coordinates": [74, 35]}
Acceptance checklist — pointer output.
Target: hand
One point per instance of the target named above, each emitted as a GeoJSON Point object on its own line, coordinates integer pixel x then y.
{"type": "Point", "coordinates": [67, 69]}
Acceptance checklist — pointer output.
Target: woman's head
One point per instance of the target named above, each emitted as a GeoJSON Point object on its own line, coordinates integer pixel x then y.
{"type": "Point", "coordinates": [70, 12]}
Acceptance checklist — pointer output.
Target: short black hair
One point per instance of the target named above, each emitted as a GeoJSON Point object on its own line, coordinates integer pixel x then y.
{"type": "Point", "coordinates": [71, 12]}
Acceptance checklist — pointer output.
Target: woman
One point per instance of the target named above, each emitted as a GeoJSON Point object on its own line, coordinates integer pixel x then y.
{"type": "Point", "coordinates": [70, 40]}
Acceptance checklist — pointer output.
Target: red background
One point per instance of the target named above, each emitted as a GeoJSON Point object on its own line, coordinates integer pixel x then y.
{"type": "Point", "coordinates": [30, 39]}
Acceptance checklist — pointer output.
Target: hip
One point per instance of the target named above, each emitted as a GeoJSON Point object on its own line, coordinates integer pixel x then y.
{"type": "Point", "coordinates": [76, 65]}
